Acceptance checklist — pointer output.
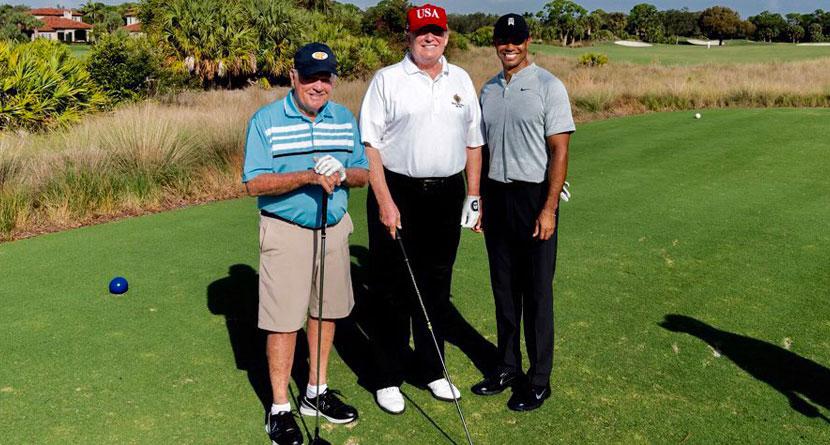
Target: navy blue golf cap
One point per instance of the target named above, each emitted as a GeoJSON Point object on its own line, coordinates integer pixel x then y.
{"type": "Point", "coordinates": [511, 28]}
{"type": "Point", "coordinates": [315, 58]}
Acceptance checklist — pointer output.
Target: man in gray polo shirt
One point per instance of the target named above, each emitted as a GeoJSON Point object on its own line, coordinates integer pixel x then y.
{"type": "Point", "coordinates": [528, 122]}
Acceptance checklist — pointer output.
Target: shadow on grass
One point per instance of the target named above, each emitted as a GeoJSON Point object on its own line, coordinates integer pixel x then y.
{"type": "Point", "coordinates": [236, 297]}
{"type": "Point", "coordinates": [429, 419]}
{"type": "Point", "coordinates": [356, 339]}
{"type": "Point", "coordinates": [797, 378]}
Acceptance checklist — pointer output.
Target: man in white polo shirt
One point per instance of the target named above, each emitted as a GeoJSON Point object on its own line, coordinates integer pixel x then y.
{"type": "Point", "coordinates": [421, 124]}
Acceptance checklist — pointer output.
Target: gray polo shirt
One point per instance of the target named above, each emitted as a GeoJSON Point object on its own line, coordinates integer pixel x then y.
{"type": "Point", "coordinates": [518, 117]}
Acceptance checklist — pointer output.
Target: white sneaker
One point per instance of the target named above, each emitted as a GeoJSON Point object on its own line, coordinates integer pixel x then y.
{"type": "Point", "coordinates": [390, 400]}
{"type": "Point", "coordinates": [442, 390]}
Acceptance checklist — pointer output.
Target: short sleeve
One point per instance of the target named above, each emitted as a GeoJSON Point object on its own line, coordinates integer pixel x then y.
{"type": "Point", "coordinates": [358, 157]}
{"type": "Point", "coordinates": [373, 114]}
{"type": "Point", "coordinates": [257, 154]}
{"type": "Point", "coordinates": [475, 127]}
{"type": "Point", "coordinates": [558, 117]}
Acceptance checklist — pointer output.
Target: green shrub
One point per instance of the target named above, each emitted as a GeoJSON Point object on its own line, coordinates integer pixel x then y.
{"type": "Point", "coordinates": [43, 86]}
{"type": "Point", "coordinates": [482, 36]}
{"type": "Point", "coordinates": [458, 41]}
{"type": "Point", "coordinates": [593, 59]}
{"type": "Point", "coordinates": [359, 57]}
{"type": "Point", "coordinates": [123, 66]}
{"type": "Point", "coordinates": [603, 35]}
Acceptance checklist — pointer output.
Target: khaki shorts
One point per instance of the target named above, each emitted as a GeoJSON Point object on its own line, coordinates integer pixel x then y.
{"type": "Point", "coordinates": [289, 272]}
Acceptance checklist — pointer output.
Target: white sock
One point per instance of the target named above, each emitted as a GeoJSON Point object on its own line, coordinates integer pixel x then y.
{"type": "Point", "coordinates": [311, 390]}
{"type": "Point", "coordinates": [276, 409]}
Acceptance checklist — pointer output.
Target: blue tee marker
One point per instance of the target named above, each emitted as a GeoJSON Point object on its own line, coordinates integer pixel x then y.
{"type": "Point", "coordinates": [118, 285]}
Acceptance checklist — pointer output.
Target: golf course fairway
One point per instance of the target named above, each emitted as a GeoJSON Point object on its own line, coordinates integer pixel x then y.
{"type": "Point", "coordinates": [719, 223]}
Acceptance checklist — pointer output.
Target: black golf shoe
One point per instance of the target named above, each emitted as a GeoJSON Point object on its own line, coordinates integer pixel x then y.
{"type": "Point", "coordinates": [331, 407]}
{"type": "Point", "coordinates": [527, 397]}
{"type": "Point", "coordinates": [495, 384]}
{"type": "Point", "coordinates": [283, 429]}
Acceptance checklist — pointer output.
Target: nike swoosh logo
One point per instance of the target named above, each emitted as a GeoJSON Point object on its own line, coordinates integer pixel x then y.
{"type": "Point", "coordinates": [525, 89]}
{"type": "Point", "coordinates": [539, 396]}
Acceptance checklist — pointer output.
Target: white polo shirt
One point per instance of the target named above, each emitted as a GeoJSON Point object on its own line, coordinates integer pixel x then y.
{"type": "Point", "coordinates": [422, 127]}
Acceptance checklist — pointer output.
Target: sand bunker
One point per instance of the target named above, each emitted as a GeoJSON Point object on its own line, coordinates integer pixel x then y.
{"type": "Point", "coordinates": [703, 42]}
{"type": "Point", "coordinates": [814, 44]}
{"type": "Point", "coordinates": [632, 44]}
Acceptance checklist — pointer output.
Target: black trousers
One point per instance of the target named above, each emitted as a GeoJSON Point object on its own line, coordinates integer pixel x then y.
{"type": "Point", "coordinates": [521, 273]}
{"type": "Point", "coordinates": [430, 215]}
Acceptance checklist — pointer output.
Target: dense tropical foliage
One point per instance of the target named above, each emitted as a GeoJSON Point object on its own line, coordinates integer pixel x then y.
{"type": "Point", "coordinates": [13, 19]}
{"type": "Point", "coordinates": [235, 43]}
{"type": "Point", "coordinates": [43, 86]}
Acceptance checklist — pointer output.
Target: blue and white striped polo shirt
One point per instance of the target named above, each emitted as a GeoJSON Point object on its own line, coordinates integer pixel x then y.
{"type": "Point", "coordinates": [283, 140]}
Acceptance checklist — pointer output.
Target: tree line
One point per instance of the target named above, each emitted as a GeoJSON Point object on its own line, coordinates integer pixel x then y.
{"type": "Point", "coordinates": [565, 22]}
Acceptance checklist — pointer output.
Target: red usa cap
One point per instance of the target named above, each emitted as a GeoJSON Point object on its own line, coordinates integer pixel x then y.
{"type": "Point", "coordinates": [425, 15]}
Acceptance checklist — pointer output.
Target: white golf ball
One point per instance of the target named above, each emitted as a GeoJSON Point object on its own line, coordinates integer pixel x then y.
{"type": "Point", "coordinates": [697, 115]}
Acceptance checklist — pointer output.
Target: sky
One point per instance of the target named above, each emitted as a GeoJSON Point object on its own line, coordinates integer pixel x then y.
{"type": "Point", "coordinates": [745, 7]}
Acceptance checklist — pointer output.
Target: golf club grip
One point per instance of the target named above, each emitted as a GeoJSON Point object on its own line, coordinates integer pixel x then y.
{"type": "Point", "coordinates": [324, 213]}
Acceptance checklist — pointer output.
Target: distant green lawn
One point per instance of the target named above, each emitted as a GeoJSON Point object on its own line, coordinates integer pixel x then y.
{"type": "Point", "coordinates": [80, 50]}
{"type": "Point", "coordinates": [732, 52]}
{"type": "Point", "coordinates": [722, 219]}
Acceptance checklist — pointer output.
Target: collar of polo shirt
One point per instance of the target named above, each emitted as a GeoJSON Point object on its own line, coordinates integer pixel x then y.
{"type": "Point", "coordinates": [410, 68]}
{"type": "Point", "coordinates": [520, 75]}
{"type": "Point", "coordinates": [292, 110]}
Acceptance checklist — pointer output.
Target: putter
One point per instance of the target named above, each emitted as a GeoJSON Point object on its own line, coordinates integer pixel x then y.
{"type": "Point", "coordinates": [434, 340]}
{"type": "Point", "coordinates": [324, 217]}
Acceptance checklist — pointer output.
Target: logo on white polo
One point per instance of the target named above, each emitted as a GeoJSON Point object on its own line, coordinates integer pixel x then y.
{"type": "Point", "coordinates": [457, 101]}
{"type": "Point", "coordinates": [426, 13]}
{"type": "Point", "coordinates": [320, 55]}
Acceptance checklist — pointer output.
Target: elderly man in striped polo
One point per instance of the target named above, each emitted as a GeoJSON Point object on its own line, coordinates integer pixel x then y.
{"type": "Point", "coordinates": [301, 150]}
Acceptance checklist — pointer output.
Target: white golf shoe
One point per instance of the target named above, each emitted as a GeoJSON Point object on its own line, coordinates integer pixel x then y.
{"type": "Point", "coordinates": [443, 390]}
{"type": "Point", "coordinates": [390, 400]}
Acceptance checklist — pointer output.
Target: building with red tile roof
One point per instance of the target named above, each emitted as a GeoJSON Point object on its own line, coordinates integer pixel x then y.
{"type": "Point", "coordinates": [64, 25]}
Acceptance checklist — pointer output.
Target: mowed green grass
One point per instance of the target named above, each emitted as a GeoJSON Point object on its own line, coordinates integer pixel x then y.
{"type": "Point", "coordinates": [80, 50]}
{"type": "Point", "coordinates": [722, 219]}
{"type": "Point", "coordinates": [732, 52]}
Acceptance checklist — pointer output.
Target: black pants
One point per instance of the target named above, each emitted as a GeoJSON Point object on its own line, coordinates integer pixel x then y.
{"type": "Point", "coordinates": [521, 273]}
{"type": "Point", "coordinates": [430, 216]}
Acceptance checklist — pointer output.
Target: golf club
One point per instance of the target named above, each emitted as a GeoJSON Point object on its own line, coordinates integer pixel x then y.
{"type": "Point", "coordinates": [324, 218]}
{"type": "Point", "coordinates": [434, 340]}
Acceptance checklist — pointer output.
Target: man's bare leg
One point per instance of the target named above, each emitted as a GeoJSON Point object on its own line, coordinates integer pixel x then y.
{"type": "Point", "coordinates": [326, 338]}
{"type": "Point", "coordinates": [280, 351]}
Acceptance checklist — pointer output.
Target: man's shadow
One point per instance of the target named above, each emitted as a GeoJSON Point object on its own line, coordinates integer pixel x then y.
{"type": "Point", "coordinates": [800, 380]}
{"type": "Point", "coordinates": [236, 297]}
{"type": "Point", "coordinates": [356, 338]}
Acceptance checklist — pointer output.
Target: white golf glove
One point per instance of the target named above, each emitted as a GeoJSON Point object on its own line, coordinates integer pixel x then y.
{"type": "Point", "coordinates": [471, 211]}
{"type": "Point", "coordinates": [565, 194]}
{"type": "Point", "coordinates": [328, 165]}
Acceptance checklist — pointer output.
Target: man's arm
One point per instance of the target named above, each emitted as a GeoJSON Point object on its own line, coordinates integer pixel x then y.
{"type": "Point", "coordinates": [356, 177]}
{"type": "Point", "coordinates": [279, 183]}
{"type": "Point", "coordinates": [473, 171]}
{"type": "Point", "coordinates": [389, 214]}
{"type": "Point", "coordinates": [558, 170]}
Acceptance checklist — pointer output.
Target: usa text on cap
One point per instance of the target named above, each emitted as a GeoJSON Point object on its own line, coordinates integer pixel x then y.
{"type": "Point", "coordinates": [426, 15]}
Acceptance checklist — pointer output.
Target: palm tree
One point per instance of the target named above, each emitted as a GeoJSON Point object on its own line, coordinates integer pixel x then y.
{"type": "Point", "coordinates": [93, 10]}
{"type": "Point", "coordinates": [209, 39]}
{"type": "Point", "coordinates": [277, 24]}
